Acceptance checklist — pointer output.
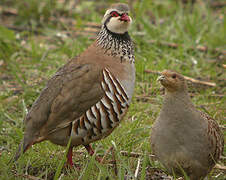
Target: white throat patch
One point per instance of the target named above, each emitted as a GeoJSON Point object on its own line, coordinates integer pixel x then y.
{"type": "Point", "coordinates": [115, 25]}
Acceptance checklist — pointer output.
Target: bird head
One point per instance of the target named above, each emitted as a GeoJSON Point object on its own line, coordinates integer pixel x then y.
{"type": "Point", "coordinates": [172, 81]}
{"type": "Point", "coordinates": [117, 19]}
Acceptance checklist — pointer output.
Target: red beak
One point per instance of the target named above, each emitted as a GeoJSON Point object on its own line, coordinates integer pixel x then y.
{"type": "Point", "coordinates": [125, 17]}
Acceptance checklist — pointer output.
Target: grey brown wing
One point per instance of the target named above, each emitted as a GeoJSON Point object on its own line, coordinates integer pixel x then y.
{"type": "Point", "coordinates": [66, 97]}
{"type": "Point", "coordinates": [215, 137]}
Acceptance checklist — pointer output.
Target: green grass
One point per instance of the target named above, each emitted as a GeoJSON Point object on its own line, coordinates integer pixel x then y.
{"type": "Point", "coordinates": [34, 44]}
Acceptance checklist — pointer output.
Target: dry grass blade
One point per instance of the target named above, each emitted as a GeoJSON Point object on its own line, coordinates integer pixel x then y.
{"type": "Point", "coordinates": [151, 156]}
{"type": "Point", "coordinates": [223, 127]}
{"type": "Point", "coordinates": [136, 155]}
{"type": "Point", "coordinates": [114, 162]}
{"type": "Point", "coordinates": [221, 167]}
{"type": "Point", "coordinates": [8, 11]}
{"type": "Point", "coordinates": [106, 153]}
{"type": "Point", "coordinates": [137, 168]}
{"type": "Point", "coordinates": [218, 4]}
{"type": "Point", "coordinates": [222, 158]}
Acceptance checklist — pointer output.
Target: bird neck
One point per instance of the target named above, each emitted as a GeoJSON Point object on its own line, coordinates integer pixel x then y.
{"type": "Point", "coordinates": [179, 111]}
{"type": "Point", "coordinates": [116, 45]}
{"type": "Point", "coordinates": [177, 99]}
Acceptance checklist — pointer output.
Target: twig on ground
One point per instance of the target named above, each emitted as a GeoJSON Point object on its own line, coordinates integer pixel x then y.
{"type": "Point", "coordinates": [222, 127]}
{"type": "Point", "coordinates": [136, 155]}
{"type": "Point", "coordinates": [152, 72]}
{"type": "Point", "coordinates": [106, 153]}
{"type": "Point", "coordinates": [180, 178]}
{"type": "Point", "coordinates": [223, 157]}
{"type": "Point", "coordinates": [195, 81]}
{"type": "Point", "coordinates": [89, 28]}
{"type": "Point", "coordinates": [209, 104]}
{"type": "Point", "coordinates": [151, 156]}
{"type": "Point", "coordinates": [137, 168]}
{"type": "Point", "coordinates": [221, 167]}
{"type": "Point", "coordinates": [8, 11]}
{"type": "Point", "coordinates": [199, 47]}
{"type": "Point", "coordinates": [218, 4]}
{"type": "Point", "coordinates": [217, 95]}
{"type": "Point", "coordinates": [147, 98]}
{"type": "Point", "coordinates": [114, 162]}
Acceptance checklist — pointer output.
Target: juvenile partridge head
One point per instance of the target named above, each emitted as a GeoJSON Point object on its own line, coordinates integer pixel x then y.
{"type": "Point", "coordinates": [172, 81]}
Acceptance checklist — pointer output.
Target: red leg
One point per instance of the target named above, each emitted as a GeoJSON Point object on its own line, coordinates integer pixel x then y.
{"type": "Point", "coordinates": [91, 152]}
{"type": "Point", "coordinates": [69, 157]}
{"type": "Point", "coordinates": [89, 149]}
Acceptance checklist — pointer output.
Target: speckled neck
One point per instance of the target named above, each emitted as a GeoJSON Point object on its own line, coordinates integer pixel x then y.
{"type": "Point", "coordinates": [116, 45]}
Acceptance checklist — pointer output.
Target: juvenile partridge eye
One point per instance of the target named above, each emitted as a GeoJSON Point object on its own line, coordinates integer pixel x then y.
{"type": "Point", "coordinates": [174, 76]}
{"type": "Point", "coordinates": [114, 14]}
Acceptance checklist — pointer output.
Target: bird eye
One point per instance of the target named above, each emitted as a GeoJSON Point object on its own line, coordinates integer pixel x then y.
{"type": "Point", "coordinates": [174, 76]}
{"type": "Point", "coordinates": [114, 14]}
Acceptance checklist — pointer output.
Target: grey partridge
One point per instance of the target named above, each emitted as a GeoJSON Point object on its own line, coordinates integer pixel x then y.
{"type": "Point", "coordinates": [184, 138]}
{"type": "Point", "coordinates": [88, 97]}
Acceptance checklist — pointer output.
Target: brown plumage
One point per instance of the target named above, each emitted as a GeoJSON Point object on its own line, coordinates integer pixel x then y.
{"type": "Point", "coordinates": [183, 137]}
{"type": "Point", "coordinates": [88, 97]}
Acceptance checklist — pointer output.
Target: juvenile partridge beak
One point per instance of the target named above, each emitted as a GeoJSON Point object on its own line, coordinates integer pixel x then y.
{"type": "Point", "coordinates": [125, 17]}
{"type": "Point", "coordinates": [161, 78]}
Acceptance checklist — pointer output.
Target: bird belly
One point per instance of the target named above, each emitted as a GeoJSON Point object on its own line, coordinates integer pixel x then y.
{"type": "Point", "coordinates": [174, 150]}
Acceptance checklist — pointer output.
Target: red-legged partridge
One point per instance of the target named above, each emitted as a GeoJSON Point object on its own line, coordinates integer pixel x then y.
{"type": "Point", "coordinates": [88, 97]}
{"type": "Point", "coordinates": [183, 137]}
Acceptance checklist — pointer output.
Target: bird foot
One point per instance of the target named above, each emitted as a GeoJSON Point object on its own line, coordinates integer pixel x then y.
{"type": "Point", "coordinates": [103, 159]}
{"type": "Point", "coordinates": [91, 153]}
{"type": "Point", "coordinates": [72, 166]}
